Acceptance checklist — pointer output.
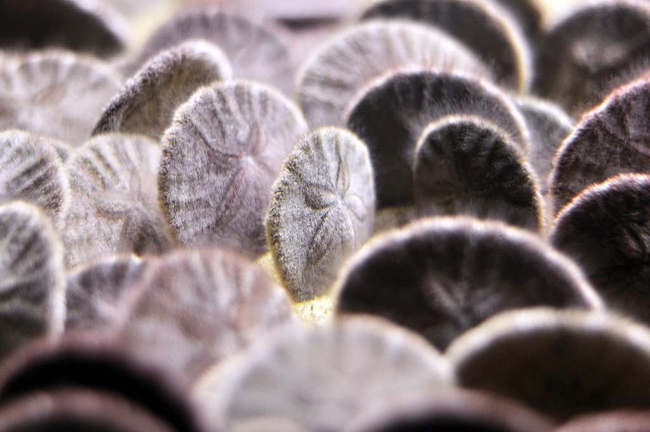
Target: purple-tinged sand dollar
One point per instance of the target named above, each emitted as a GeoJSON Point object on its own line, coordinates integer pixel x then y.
{"type": "Point", "coordinates": [32, 277]}
{"type": "Point", "coordinates": [451, 411]}
{"type": "Point", "coordinates": [54, 93]}
{"type": "Point", "coordinates": [343, 66]}
{"type": "Point", "coordinates": [606, 230]}
{"type": "Point", "coordinates": [220, 158]}
{"type": "Point", "coordinates": [193, 309]}
{"type": "Point", "coordinates": [94, 291]}
{"type": "Point", "coordinates": [147, 103]}
{"type": "Point", "coordinates": [560, 363]}
{"type": "Point", "coordinates": [322, 210]}
{"type": "Point", "coordinates": [610, 140]}
{"type": "Point", "coordinates": [442, 276]}
{"type": "Point", "coordinates": [390, 115]}
{"type": "Point", "coordinates": [548, 125]}
{"type": "Point", "coordinates": [484, 27]}
{"type": "Point", "coordinates": [114, 207]}
{"type": "Point", "coordinates": [465, 165]}
{"type": "Point", "coordinates": [254, 49]}
{"type": "Point", "coordinates": [319, 379]}
{"type": "Point", "coordinates": [31, 170]}
{"type": "Point", "coordinates": [88, 26]}
{"type": "Point", "coordinates": [584, 51]}
{"type": "Point", "coordinates": [622, 420]}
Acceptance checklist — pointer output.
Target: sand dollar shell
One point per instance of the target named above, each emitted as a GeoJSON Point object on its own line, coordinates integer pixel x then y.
{"type": "Point", "coordinates": [54, 93]}
{"type": "Point", "coordinates": [195, 308]}
{"type": "Point", "coordinates": [348, 62]}
{"type": "Point", "coordinates": [220, 158]}
{"type": "Point", "coordinates": [114, 206]}
{"type": "Point", "coordinates": [434, 278]}
{"type": "Point", "coordinates": [147, 103]}
{"type": "Point", "coordinates": [31, 170]}
{"type": "Point", "coordinates": [320, 379]}
{"type": "Point", "coordinates": [322, 210]}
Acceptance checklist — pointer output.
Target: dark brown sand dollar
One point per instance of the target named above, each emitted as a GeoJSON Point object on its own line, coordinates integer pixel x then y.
{"type": "Point", "coordinates": [79, 25]}
{"type": "Point", "coordinates": [94, 291]}
{"type": "Point", "coordinates": [319, 379]}
{"type": "Point", "coordinates": [392, 113]}
{"type": "Point", "coordinates": [322, 210]}
{"type": "Point", "coordinates": [54, 93]}
{"type": "Point", "coordinates": [433, 276]}
{"type": "Point", "coordinates": [349, 61]}
{"type": "Point", "coordinates": [590, 46]}
{"type": "Point", "coordinates": [114, 207]}
{"type": "Point", "coordinates": [484, 27]}
{"type": "Point", "coordinates": [613, 139]}
{"type": "Point", "coordinates": [548, 125]}
{"type": "Point", "coordinates": [93, 364]}
{"type": "Point", "coordinates": [529, 16]}
{"type": "Point", "coordinates": [451, 411]}
{"type": "Point", "coordinates": [195, 308]}
{"type": "Point", "coordinates": [464, 165]}
{"type": "Point", "coordinates": [32, 277]}
{"type": "Point", "coordinates": [147, 103]}
{"type": "Point", "coordinates": [77, 411]}
{"type": "Point", "coordinates": [255, 51]}
{"type": "Point", "coordinates": [32, 171]}
{"type": "Point", "coordinates": [623, 421]}
{"type": "Point", "coordinates": [606, 230]}
{"type": "Point", "coordinates": [220, 158]}
{"type": "Point", "coordinates": [561, 363]}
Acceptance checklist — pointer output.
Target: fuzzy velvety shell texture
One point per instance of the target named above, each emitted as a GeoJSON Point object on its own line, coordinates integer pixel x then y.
{"type": "Point", "coordinates": [562, 364]}
{"type": "Point", "coordinates": [322, 378]}
{"type": "Point", "coordinates": [443, 276]}
{"type": "Point", "coordinates": [225, 148]}
{"type": "Point", "coordinates": [31, 170]}
{"type": "Point", "coordinates": [584, 52]}
{"type": "Point", "coordinates": [114, 207]}
{"type": "Point", "coordinates": [485, 27]}
{"type": "Point", "coordinates": [612, 139]}
{"type": "Point", "coordinates": [321, 211]}
{"type": "Point", "coordinates": [54, 93]}
{"type": "Point", "coordinates": [606, 230]}
{"type": "Point", "coordinates": [147, 103]}
{"type": "Point", "coordinates": [78, 25]}
{"type": "Point", "coordinates": [32, 277]}
{"type": "Point", "coordinates": [392, 113]}
{"type": "Point", "coordinates": [347, 63]}
{"type": "Point", "coordinates": [467, 166]}
{"type": "Point", "coordinates": [195, 308]}
{"type": "Point", "coordinates": [254, 49]}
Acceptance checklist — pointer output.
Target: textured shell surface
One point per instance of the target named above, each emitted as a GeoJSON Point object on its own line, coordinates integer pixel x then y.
{"type": "Point", "coordinates": [114, 207]}
{"type": "Point", "coordinates": [32, 277]}
{"type": "Point", "coordinates": [88, 26]}
{"type": "Point", "coordinates": [147, 103]}
{"type": "Point", "coordinates": [54, 93]}
{"type": "Point", "coordinates": [560, 363]}
{"type": "Point", "coordinates": [253, 48]}
{"type": "Point", "coordinates": [392, 113]}
{"type": "Point", "coordinates": [220, 157]}
{"type": "Point", "coordinates": [467, 166]}
{"type": "Point", "coordinates": [31, 170]}
{"type": "Point", "coordinates": [442, 276]}
{"type": "Point", "coordinates": [485, 27]}
{"type": "Point", "coordinates": [319, 379]}
{"type": "Point", "coordinates": [321, 211]}
{"type": "Point", "coordinates": [610, 140]}
{"type": "Point", "coordinates": [349, 61]}
{"type": "Point", "coordinates": [606, 230]}
{"type": "Point", "coordinates": [586, 49]}
{"type": "Point", "coordinates": [94, 291]}
{"type": "Point", "coordinates": [193, 309]}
